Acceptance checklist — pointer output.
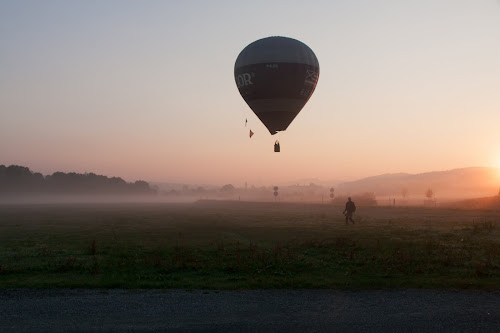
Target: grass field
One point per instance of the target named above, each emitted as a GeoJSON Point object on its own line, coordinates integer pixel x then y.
{"type": "Point", "coordinates": [231, 245]}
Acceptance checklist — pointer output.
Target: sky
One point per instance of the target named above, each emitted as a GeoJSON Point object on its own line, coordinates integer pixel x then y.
{"type": "Point", "coordinates": [145, 89]}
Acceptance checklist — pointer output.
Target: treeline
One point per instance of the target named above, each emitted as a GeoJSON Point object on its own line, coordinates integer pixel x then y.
{"type": "Point", "coordinates": [294, 193]}
{"type": "Point", "coordinates": [17, 179]}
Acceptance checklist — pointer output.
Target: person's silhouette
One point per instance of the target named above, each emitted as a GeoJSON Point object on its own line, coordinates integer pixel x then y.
{"type": "Point", "coordinates": [350, 208]}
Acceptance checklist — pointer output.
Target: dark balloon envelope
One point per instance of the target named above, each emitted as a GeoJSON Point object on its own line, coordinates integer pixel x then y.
{"type": "Point", "coordinates": [276, 76]}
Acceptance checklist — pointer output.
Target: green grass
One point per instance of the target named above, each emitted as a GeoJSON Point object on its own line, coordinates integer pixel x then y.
{"type": "Point", "coordinates": [231, 245]}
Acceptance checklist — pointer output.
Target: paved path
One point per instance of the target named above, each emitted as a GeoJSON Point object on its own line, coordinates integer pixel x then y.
{"type": "Point", "coordinates": [249, 311]}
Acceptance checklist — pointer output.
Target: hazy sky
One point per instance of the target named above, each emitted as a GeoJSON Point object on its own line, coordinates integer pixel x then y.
{"type": "Point", "coordinates": [145, 89]}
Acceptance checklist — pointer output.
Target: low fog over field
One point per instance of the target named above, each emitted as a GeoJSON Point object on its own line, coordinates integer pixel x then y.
{"type": "Point", "coordinates": [21, 185]}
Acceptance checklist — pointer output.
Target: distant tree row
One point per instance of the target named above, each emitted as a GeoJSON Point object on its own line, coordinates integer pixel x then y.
{"type": "Point", "coordinates": [17, 179]}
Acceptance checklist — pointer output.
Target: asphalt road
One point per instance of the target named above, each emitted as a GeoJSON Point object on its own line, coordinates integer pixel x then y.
{"type": "Point", "coordinates": [249, 311]}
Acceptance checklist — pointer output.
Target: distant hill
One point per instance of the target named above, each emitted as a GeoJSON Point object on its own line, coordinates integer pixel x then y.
{"type": "Point", "coordinates": [456, 183]}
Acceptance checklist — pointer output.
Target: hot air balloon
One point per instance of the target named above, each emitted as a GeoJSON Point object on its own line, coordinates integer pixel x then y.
{"type": "Point", "coordinates": [276, 76]}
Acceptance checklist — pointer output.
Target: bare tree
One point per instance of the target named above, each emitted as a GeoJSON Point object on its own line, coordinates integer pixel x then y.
{"type": "Point", "coordinates": [429, 194]}
{"type": "Point", "coordinates": [404, 192]}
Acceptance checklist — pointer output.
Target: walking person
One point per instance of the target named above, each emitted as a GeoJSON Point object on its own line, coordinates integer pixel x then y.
{"type": "Point", "coordinates": [350, 208]}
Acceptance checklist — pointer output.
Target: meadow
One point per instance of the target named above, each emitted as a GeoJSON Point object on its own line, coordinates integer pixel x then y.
{"type": "Point", "coordinates": [242, 245]}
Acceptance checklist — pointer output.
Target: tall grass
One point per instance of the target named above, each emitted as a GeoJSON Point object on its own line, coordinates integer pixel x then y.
{"type": "Point", "coordinates": [227, 245]}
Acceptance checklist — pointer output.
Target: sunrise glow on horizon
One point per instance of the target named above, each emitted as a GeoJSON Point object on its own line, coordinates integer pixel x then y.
{"type": "Point", "coordinates": [145, 90]}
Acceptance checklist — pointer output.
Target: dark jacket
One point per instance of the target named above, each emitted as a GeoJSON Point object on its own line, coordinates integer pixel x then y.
{"type": "Point", "coordinates": [350, 206]}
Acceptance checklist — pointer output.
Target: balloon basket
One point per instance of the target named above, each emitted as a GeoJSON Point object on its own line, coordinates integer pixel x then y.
{"type": "Point", "coordinates": [276, 147]}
